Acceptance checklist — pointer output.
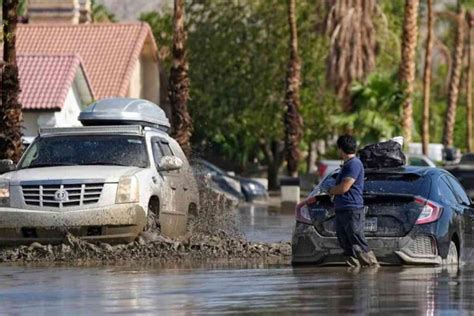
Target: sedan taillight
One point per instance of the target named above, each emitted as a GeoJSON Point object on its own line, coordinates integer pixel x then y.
{"type": "Point", "coordinates": [430, 212]}
{"type": "Point", "coordinates": [322, 167]}
{"type": "Point", "coordinates": [302, 211]}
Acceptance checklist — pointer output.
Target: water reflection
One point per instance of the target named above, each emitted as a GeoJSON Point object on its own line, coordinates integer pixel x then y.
{"type": "Point", "coordinates": [421, 291]}
{"type": "Point", "coordinates": [235, 287]}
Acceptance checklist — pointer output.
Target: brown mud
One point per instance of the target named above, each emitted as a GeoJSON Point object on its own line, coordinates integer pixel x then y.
{"type": "Point", "coordinates": [212, 234]}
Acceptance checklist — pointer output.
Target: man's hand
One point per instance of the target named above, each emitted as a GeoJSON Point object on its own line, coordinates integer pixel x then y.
{"type": "Point", "coordinates": [342, 187]}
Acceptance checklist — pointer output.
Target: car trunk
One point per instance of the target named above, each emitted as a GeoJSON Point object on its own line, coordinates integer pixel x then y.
{"type": "Point", "coordinates": [388, 215]}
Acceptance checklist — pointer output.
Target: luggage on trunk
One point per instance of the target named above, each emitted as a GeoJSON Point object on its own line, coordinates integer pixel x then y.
{"type": "Point", "coordinates": [387, 154]}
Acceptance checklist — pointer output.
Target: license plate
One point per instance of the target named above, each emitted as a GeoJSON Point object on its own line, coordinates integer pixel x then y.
{"type": "Point", "coordinates": [370, 224]}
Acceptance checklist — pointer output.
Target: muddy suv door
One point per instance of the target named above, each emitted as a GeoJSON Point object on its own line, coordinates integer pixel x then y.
{"type": "Point", "coordinates": [173, 214]}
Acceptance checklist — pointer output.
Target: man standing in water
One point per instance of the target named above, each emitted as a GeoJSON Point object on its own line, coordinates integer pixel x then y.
{"type": "Point", "coordinates": [349, 206]}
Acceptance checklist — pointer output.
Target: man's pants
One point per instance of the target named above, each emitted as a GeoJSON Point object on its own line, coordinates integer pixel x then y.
{"type": "Point", "coordinates": [350, 231]}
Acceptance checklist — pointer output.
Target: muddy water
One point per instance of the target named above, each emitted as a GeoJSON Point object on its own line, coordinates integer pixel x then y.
{"type": "Point", "coordinates": [225, 288]}
{"type": "Point", "coordinates": [260, 222]}
{"type": "Point", "coordinates": [234, 287]}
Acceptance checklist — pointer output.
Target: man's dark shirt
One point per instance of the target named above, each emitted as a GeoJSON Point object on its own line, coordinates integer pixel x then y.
{"type": "Point", "coordinates": [353, 198]}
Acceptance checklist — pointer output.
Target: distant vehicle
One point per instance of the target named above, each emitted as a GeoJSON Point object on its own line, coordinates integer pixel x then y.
{"type": "Point", "coordinates": [464, 172]}
{"type": "Point", "coordinates": [103, 182]}
{"type": "Point", "coordinates": [415, 215]}
{"type": "Point", "coordinates": [219, 180]}
{"type": "Point", "coordinates": [420, 161]}
{"type": "Point", "coordinates": [325, 167]}
{"type": "Point", "coordinates": [435, 151]}
{"type": "Point", "coordinates": [242, 188]}
{"type": "Point", "coordinates": [467, 159]}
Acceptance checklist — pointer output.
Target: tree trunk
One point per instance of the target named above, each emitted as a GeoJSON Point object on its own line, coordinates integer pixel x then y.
{"type": "Point", "coordinates": [407, 67]}
{"type": "Point", "coordinates": [453, 92]}
{"type": "Point", "coordinates": [292, 119]}
{"type": "Point", "coordinates": [427, 80]}
{"type": "Point", "coordinates": [274, 153]}
{"type": "Point", "coordinates": [10, 110]}
{"type": "Point", "coordinates": [470, 18]}
{"type": "Point", "coordinates": [179, 82]}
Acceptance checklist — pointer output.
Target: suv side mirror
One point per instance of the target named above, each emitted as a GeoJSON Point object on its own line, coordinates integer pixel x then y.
{"type": "Point", "coordinates": [169, 163]}
{"type": "Point", "coordinates": [6, 165]}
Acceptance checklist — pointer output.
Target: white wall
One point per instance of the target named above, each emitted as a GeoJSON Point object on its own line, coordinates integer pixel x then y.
{"type": "Point", "coordinates": [145, 80]}
{"type": "Point", "coordinates": [67, 117]}
{"type": "Point", "coordinates": [135, 88]}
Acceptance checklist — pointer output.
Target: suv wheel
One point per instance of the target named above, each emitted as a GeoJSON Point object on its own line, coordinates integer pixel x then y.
{"type": "Point", "coordinates": [152, 219]}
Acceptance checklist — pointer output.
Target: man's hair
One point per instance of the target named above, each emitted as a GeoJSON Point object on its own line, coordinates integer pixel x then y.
{"type": "Point", "coordinates": [347, 144]}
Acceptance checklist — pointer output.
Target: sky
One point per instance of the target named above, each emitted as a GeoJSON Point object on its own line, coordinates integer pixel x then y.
{"type": "Point", "coordinates": [127, 10]}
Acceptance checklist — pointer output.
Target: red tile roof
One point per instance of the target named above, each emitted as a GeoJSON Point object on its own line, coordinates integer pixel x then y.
{"type": "Point", "coordinates": [46, 79]}
{"type": "Point", "coordinates": [109, 50]}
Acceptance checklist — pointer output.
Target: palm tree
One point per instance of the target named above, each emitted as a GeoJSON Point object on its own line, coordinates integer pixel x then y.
{"type": "Point", "coordinates": [453, 92]}
{"type": "Point", "coordinates": [470, 20]}
{"type": "Point", "coordinates": [10, 110]}
{"type": "Point", "coordinates": [292, 119]}
{"type": "Point", "coordinates": [427, 79]}
{"type": "Point", "coordinates": [352, 46]}
{"type": "Point", "coordinates": [407, 66]}
{"type": "Point", "coordinates": [178, 92]}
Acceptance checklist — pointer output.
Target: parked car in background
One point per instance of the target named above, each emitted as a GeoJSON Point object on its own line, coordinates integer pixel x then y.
{"type": "Point", "coordinates": [104, 182]}
{"type": "Point", "coordinates": [325, 167]}
{"type": "Point", "coordinates": [240, 187]}
{"type": "Point", "coordinates": [467, 159]}
{"type": "Point", "coordinates": [464, 172]}
{"type": "Point", "coordinates": [216, 178]}
{"type": "Point", "coordinates": [420, 161]}
{"type": "Point", "coordinates": [415, 215]}
{"type": "Point", "coordinates": [435, 151]}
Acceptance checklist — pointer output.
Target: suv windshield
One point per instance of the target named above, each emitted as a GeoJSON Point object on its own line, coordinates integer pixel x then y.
{"type": "Point", "coordinates": [113, 150]}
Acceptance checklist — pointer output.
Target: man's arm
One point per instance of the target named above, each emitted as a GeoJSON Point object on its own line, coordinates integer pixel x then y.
{"type": "Point", "coordinates": [342, 187]}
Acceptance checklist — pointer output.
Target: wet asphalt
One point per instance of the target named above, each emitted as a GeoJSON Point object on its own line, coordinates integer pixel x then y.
{"type": "Point", "coordinates": [236, 287]}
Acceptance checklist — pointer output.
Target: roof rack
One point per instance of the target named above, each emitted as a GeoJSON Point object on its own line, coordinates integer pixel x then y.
{"type": "Point", "coordinates": [109, 130]}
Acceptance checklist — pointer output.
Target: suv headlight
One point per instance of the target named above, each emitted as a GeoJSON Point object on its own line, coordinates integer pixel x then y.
{"type": "Point", "coordinates": [127, 190]}
{"type": "Point", "coordinates": [4, 194]}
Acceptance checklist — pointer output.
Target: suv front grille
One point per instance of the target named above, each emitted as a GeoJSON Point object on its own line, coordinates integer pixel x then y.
{"type": "Point", "coordinates": [62, 195]}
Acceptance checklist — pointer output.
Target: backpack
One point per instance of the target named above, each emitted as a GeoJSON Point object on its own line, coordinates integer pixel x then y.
{"type": "Point", "coordinates": [387, 154]}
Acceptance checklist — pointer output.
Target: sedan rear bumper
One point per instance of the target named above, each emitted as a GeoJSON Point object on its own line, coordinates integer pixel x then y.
{"type": "Point", "coordinates": [115, 223]}
{"type": "Point", "coordinates": [308, 246]}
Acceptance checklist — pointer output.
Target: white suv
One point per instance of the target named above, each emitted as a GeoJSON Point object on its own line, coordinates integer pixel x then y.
{"type": "Point", "coordinates": [104, 182]}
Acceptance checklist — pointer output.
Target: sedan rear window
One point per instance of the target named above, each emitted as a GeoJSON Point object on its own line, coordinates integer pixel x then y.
{"type": "Point", "coordinates": [395, 183]}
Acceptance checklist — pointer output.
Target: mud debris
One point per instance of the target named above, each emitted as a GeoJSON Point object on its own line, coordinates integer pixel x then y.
{"type": "Point", "coordinates": [212, 233]}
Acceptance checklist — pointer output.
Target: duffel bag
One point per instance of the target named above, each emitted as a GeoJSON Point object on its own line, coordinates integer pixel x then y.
{"type": "Point", "coordinates": [387, 154]}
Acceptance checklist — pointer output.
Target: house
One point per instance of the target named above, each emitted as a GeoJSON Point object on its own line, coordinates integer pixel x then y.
{"type": "Point", "coordinates": [108, 59]}
{"type": "Point", "coordinates": [54, 90]}
{"type": "Point", "coordinates": [120, 58]}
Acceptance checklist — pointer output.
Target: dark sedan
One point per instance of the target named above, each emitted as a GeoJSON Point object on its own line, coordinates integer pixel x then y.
{"type": "Point", "coordinates": [242, 188]}
{"type": "Point", "coordinates": [415, 215]}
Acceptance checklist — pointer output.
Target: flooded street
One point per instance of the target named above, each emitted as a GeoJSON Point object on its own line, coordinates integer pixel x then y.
{"type": "Point", "coordinates": [265, 223]}
{"type": "Point", "coordinates": [235, 287]}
